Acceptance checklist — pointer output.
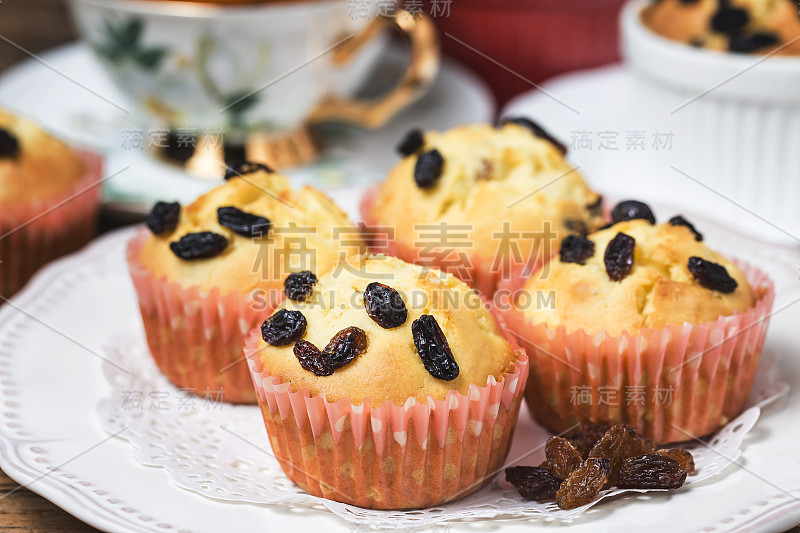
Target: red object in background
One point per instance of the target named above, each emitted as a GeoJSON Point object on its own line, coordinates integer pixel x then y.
{"type": "Point", "coordinates": [536, 39]}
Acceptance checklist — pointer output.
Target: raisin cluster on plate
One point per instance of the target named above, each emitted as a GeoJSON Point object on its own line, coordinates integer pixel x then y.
{"type": "Point", "coordinates": [599, 457]}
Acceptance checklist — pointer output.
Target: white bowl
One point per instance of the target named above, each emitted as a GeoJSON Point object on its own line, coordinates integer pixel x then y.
{"type": "Point", "coordinates": [735, 117]}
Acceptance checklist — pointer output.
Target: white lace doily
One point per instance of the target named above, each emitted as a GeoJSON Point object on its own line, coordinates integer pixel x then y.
{"type": "Point", "coordinates": [221, 451]}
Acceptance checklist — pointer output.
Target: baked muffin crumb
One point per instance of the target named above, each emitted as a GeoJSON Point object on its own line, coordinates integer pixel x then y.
{"type": "Point", "coordinates": [475, 199]}
{"type": "Point", "coordinates": [659, 289]}
{"type": "Point", "coordinates": [392, 367]}
{"type": "Point", "coordinates": [270, 230]}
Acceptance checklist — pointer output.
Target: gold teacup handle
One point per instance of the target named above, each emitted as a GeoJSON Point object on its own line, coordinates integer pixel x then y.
{"type": "Point", "coordinates": [424, 65]}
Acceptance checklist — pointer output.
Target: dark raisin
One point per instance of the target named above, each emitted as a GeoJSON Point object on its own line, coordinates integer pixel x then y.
{"type": "Point", "coordinates": [341, 350]}
{"type": "Point", "coordinates": [312, 359]}
{"type": "Point", "coordinates": [619, 257]}
{"type": "Point", "coordinates": [562, 456]}
{"type": "Point", "coordinates": [533, 483]}
{"type": "Point", "coordinates": [683, 457]}
{"type": "Point", "coordinates": [433, 348]}
{"type": "Point", "coordinates": [577, 226]}
{"type": "Point", "coordinates": [689, 2]}
{"type": "Point", "coordinates": [576, 249]}
{"type": "Point", "coordinates": [678, 220]}
{"type": "Point", "coordinates": [345, 346]}
{"type": "Point", "coordinates": [299, 285]}
{"type": "Point", "coordinates": [200, 245]}
{"type": "Point", "coordinates": [651, 471]}
{"type": "Point", "coordinates": [411, 143]}
{"type": "Point", "coordinates": [729, 19]}
{"type": "Point", "coordinates": [711, 275]}
{"type": "Point", "coordinates": [591, 433]}
{"type": "Point", "coordinates": [596, 208]}
{"type": "Point", "coordinates": [384, 305]}
{"type": "Point", "coordinates": [632, 210]}
{"type": "Point", "coordinates": [584, 483]}
{"type": "Point", "coordinates": [245, 224]}
{"type": "Point", "coordinates": [164, 217]}
{"type": "Point", "coordinates": [745, 44]}
{"type": "Point", "coordinates": [242, 168]}
{"type": "Point", "coordinates": [578, 444]}
{"type": "Point", "coordinates": [284, 327]}
{"type": "Point", "coordinates": [9, 145]}
{"type": "Point", "coordinates": [641, 446]}
{"type": "Point", "coordinates": [428, 168]}
{"type": "Point", "coordinates": [616, 445]}
{"type": "Point", "coordinates": [537, 130]}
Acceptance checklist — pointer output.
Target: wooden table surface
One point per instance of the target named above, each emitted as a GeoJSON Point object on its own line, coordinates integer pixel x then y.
{"type": "Point", "coordinates": [22, 511]}
{"type": "Point", "coordinates": [35, 26]}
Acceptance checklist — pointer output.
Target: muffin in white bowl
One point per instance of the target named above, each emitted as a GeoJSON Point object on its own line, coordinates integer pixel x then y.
{"type": "Point", "coordinates": [734, 110]}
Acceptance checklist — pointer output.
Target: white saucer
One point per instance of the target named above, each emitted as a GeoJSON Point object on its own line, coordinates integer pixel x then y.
{"type": "Point", "coordinates": [587, 103]}
{"type": "Point", "coordinates": [61, 92]}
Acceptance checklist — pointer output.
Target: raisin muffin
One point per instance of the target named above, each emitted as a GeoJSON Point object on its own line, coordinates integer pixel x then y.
{"type": "Point", "coordinates": [740, 26]}
{"type": "Point", "coordinates": [207, 273]}
{"type": "Point", "coordinates": [482, 202]}
{"type": "Point", "coordinates": [49, 199]}
{"type": "Point", "coordinates": [648, 310]}
{"type": "Point", "coordinates": [387, 386]}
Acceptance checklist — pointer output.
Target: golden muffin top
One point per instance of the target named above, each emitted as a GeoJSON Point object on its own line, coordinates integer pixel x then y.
{"type": "Point", "coordinates": [33, 165]}
{"type": "Point", "coordinates": [740, 26]}
{"type": "Point", "coordinates": [248, 233]}
{"type": "Point", "coordinates": [635, 274]}
{"type": "Point", "coordinates": [377, 327]}
{"type": "Point", "coordinates": [508, 184]}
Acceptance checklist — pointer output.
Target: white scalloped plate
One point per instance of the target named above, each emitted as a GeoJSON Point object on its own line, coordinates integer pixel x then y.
{"type": "Point", "coordinates": [50, 439]}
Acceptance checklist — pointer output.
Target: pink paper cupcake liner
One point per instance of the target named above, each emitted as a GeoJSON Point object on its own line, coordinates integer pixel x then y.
{"type": "Point", "coordinates": [479, 272]}
{"type": "Point", "coordinates": [388, 456]}
{"type": "Point", "coordinates": [672, 384]}
{"type": "Point", "coordinates": [33, 234]}
{"type": "Point", "coordinates": [196, 337]}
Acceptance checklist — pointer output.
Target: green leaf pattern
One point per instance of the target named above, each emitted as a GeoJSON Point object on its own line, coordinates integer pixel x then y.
{"type": "Point", "coordinates": [123, 42]}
